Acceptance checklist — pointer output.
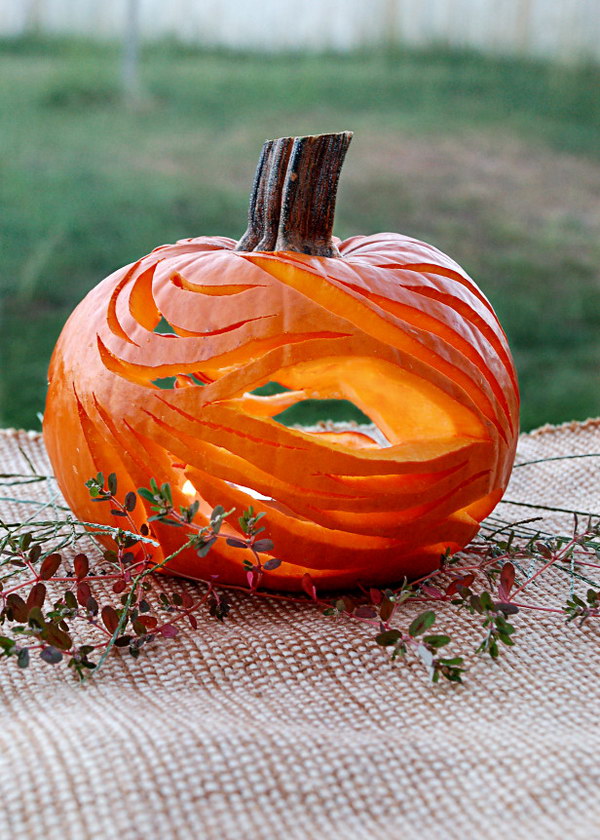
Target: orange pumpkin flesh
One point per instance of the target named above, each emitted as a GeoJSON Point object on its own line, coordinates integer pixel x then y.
{"type": "Point", "coordinates": [391, 324]}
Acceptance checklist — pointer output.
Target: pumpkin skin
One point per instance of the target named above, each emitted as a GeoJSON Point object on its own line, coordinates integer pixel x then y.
{"type": "Point", "coordinates": [395, 326]}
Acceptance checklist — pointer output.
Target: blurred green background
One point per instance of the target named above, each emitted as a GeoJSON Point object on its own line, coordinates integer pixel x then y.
{"type": "Point", "coordinates": [496, 161]}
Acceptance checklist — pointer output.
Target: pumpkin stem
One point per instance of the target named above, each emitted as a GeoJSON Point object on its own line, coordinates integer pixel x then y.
{"type": "Point", "coordinates": [292, 203]}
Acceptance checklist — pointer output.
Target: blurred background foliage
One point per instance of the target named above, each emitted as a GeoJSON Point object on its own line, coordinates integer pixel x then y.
{"type": "Point", "coordinates": [496, 161]}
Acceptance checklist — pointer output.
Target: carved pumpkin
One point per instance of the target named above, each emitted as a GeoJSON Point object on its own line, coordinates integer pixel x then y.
{"type": "Point", "coordinates": [385, 321]}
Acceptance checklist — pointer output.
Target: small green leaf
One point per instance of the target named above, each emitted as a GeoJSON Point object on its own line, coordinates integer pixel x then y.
{"type": "Point", "coordinates": [139, 628]}
{"type": "Point", "coordinates": [203, 550]}
{"type": "Point", "coordinates": [485, 599]}
{"type": "Point", "coordinates": [421, 623]}
{"type": "Point", "coordinates": [70, 600]}
{"type": "Point", "coordinates": [25, 541]}
{"type": "Point", "coordinates": [7, 644]}
{"type": "Point", "coordinates": [436, 641]}
{"type": "Point", "coordinates": [146, 494]}
{"type": "Point", "coordinates": [36, 618]}
{"type": "Point", "coordinates": [455, 660]}
{"type": "Point", "coordinates": [388, 637]}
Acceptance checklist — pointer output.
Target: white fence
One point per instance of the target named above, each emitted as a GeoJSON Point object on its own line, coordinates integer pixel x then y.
{"type": "Point", "coordinates": [559, 28]}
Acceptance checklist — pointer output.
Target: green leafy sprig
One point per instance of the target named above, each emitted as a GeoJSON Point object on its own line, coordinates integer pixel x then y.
{"type": "Point", "coordinates": [80, 611]}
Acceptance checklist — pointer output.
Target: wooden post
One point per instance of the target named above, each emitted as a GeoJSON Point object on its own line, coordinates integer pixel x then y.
{"type": "Point", "coordinates": [131, 45]}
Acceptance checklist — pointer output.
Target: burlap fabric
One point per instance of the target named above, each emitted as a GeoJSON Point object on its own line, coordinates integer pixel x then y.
{"type": "Point", "coordinates": [284, 724]}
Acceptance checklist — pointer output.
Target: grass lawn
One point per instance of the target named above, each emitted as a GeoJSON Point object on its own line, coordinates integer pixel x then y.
{"type": "Point", "coordinates": [495, 161]}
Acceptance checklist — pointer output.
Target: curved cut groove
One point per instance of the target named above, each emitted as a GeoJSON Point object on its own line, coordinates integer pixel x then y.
{"type": "Point", "coordinates": [179, 280]}
{"type": "Point", "coordinates": [393, 330]}
{"type": "Point", "coordinates": [142, 306]}
{"type": "Point", "coordinates": [112, 319]}
{"type": "Point", "coordinates": [440, 271]}
{"type": "Point", "coordinates": [469, 314]}
{"type": "Point", "coordinates": [180, 331]}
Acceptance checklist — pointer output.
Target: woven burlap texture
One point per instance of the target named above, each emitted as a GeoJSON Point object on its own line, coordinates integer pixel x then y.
{"type": "Point", "coordinates": [281, 723]}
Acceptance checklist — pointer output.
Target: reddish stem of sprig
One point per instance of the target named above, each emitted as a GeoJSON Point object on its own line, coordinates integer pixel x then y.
{"type": "Point", "coordinates": [559, 556]}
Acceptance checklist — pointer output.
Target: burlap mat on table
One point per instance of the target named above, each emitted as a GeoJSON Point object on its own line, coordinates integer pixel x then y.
{"type": "Point", "coordinates": [283, 724]}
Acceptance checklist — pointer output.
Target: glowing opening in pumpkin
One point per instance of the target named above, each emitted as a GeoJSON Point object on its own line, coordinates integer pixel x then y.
{"type": "Point", "coordinates": [340, 420]}
{"type": "Point", "coordinates": [188, 488]}
{"type": "Point", "coordinates": [254, 493]}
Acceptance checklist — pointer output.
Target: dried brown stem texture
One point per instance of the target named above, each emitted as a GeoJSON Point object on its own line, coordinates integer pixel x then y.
{"type": "Point", "coordinates": [292, 204]}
